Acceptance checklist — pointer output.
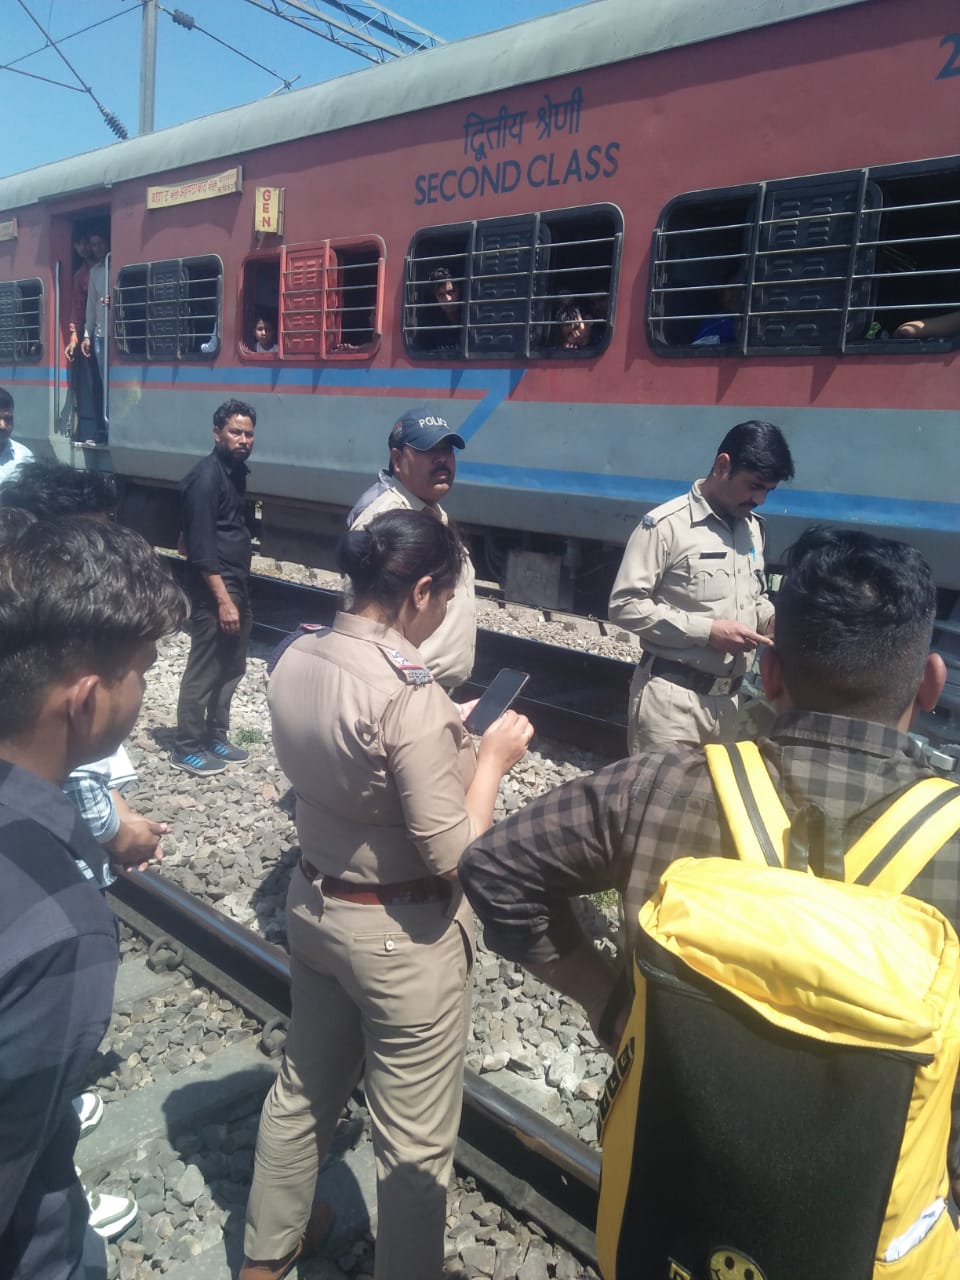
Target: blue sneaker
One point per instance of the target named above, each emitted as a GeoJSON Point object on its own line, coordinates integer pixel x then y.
{"type": "Point", "coordinates": [225, 750]}
{"type": "Point", "coordinates": [199, 762]}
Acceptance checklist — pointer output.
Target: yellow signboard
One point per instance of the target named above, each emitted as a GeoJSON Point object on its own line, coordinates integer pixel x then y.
{"type": "Point", "coordinates": [268, 213]}
{"type": "Point", "coordinates": [8, 229]}
{"type": "Point", "coordinates": [219, 184]}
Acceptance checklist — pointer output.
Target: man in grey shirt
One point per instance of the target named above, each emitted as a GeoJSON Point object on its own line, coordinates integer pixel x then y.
{"type": "Point", "coordinates": [98, 302]}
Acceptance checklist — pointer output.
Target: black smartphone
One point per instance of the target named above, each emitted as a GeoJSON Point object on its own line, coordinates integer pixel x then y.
{"type": "Point", "coordinates": [495, 699]}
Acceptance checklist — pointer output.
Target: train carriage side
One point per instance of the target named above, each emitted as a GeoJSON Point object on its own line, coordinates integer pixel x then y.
{"type": "Point", "coordinates": [657, 195]}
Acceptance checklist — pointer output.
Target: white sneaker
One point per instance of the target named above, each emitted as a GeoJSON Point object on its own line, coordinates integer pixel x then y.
{"type": "Point", "coordinates": [110, 1215]}
{"type": "Point", "coordinates": [89, 1107]}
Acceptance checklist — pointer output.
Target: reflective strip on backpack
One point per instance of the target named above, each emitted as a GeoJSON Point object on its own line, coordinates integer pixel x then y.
{"type": "Point", "coordinates": [893, 852]}
{"type": "Point", "coordinates": [755, 814]}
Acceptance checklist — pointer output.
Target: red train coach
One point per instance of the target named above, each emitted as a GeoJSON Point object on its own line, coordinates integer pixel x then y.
{"type": "Point", "coordinates": [583, 239]}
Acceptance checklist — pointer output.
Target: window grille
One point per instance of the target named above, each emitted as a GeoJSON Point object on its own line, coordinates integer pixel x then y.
{"type": "Point", "coordinates": [169, 310]}
{"type": "Point", "coordinates": [494, 289]}
{"type": "Point", "coordinates": [836, 262]}
{"type": "Point", "coordinates": [21, 329]}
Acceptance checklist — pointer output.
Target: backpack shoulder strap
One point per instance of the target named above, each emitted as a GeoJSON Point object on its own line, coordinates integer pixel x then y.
{"type": "Point", "coordinates": [897, 847]}
{"type": "Point", "coordinates": [754, 812]}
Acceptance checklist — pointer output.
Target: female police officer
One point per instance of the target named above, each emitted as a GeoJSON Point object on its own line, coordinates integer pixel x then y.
{"type": "Point", "coordinates": [389, 793]}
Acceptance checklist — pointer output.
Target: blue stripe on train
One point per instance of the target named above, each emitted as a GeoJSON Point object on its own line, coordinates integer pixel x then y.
{"type": "Point", "coordinates": [805, 504]}
{"type": "Point", "coordinates": [498, 384]}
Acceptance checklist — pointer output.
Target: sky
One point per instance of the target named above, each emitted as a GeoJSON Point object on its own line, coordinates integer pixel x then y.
{"type": "Point", "coordinates": [195, 75]}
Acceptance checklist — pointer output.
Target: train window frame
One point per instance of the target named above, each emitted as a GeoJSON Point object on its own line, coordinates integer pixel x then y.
{"type": "Point", "coordinates": [250, 304]}
{"type": "Point", "coordinates": [309, 321]}
{"type": "Point", "coordinates": [864, 284]}
{"type": "Point", "coordinates": [157, 346]}
{"type": "Point", "coordinates": [526, 245]}
{"type": "Point", "coordinates": [12, 297]}
{"type": "Point", "coordinates": [905, 174]}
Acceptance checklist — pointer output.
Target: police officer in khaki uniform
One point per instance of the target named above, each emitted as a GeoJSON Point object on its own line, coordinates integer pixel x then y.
{"type": "Point", "coordinates": [691, 585]}
{"type": "Point", "coordinates": [421, 471]}
{"type": "Point", "coordinates": [390, 791]}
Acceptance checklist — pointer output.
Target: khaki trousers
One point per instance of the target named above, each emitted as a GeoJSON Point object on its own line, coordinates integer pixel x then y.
{"type": "Point", "coordinates": [663, 715]}
{"type": "Point", "coordinates": [385, 991]}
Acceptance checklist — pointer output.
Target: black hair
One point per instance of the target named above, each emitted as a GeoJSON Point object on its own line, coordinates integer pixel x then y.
{"type": "Point", "coordinates": [76, 596]}
{"type": "Point", "coordinates": [233, 409]}
{"type": "Point", "coordinates": [571, 312]}
{"type": "Point", "coordinates": [6, 400]}
{"type": "Point", "coordinates": [854, 621]}
{"type": "Point", "coordinates": [386, 559]}
{"type": "Point", "coordinates": [440, 274]}
{"type": "Point", "coordinates": [52, 489]}
{"type": "Point", "coordinates": [13, 521]}
{"type": "Point", "coordinates": [760, 447]}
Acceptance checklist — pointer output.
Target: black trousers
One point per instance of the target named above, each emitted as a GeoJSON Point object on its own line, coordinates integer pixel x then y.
{"type": "Point", "coordinates": [214, 668]}
{"type": "Point", "coordinates": [88, 398]}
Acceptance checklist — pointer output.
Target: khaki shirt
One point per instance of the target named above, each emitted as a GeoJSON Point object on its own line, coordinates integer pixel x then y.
{"type": "Point", "coordinates": [682, 568]}
{"type": "Point", "coordinates": [449, 652]}
{"type": "Point", "coordinates": [376, 753]}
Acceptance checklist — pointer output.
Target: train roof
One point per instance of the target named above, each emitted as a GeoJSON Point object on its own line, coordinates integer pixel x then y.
{"type": "Point", "coordinates": [590, 35]}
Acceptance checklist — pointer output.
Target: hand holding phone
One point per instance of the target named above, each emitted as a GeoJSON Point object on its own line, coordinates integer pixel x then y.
{"type": "Point", "coordinates": [496, 699]}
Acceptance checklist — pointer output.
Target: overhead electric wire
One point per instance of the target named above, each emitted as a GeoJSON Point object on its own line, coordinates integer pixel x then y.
{"type": "Point", "coordinates": [32, 75]}
{"type": "Point", "coordinates": [111, 120]}
{"type": "Point", "coordinates": [190, 23]}
{"type": "Point", "coordinates": [9, 66]}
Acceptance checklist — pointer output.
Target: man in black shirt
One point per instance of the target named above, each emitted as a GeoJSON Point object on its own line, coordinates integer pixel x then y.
{"type": "Point", "coordinates": [213, 504]}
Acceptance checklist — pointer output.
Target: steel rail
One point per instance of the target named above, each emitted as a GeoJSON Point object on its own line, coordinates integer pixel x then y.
{"type": "Point", "coordinates": [574, 697]}
{"type": "Point", "coordinates": [537, 1169]}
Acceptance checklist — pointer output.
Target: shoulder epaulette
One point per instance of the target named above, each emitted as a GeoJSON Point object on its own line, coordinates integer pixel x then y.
{"type": "Point", "coordinates": [653, 518]}
{"type": "Point", "coordinates": [410, 672]}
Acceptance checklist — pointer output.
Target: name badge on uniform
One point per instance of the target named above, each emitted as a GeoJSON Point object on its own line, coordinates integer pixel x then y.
{"type": "Point", "coordinates": [411, 672]}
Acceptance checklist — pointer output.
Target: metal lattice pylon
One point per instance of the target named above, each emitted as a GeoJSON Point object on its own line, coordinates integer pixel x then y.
{"type": "Point", "coordinates": [369, 30]}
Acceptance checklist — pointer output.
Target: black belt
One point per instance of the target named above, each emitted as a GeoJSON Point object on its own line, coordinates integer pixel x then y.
{"type": "Point", "coordinates": [400, 893]}
{"type": "Point", "coordinates": [698, 681]}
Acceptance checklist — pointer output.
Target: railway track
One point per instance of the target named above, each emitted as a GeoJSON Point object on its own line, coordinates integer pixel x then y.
{"type": "Point", "coordinates": [573, 697]}
{"type": "Point", "coordinates": [539, 1173]}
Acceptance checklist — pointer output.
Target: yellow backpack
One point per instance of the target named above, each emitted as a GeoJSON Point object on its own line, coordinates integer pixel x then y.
{"type": "Point", "coordinates": [779, 1108]}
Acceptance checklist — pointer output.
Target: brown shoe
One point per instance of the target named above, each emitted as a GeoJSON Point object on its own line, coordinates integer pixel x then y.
{"type": "Point", "coordinates": [319, 1226]}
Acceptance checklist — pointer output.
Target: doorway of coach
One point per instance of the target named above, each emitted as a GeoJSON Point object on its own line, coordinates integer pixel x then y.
{"type": "Point", "coordinates": [80, 244]}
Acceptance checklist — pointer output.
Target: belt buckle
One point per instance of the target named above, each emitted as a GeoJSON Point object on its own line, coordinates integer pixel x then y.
{"type": "Point", "coordinates": [722, 684]}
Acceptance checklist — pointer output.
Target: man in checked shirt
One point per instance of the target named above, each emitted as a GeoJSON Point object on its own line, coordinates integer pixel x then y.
{"type": "Point", "coordinates": [850, 667]}
{"type": "Point", "coordinates": [82, 605]}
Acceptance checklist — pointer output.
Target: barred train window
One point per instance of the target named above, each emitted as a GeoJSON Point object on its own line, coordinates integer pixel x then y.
{"type": "Point", "coordinates": [169, 310]}
{"type": "Point", "coordinates": [331, 299]}
{"type": "Point", "coordinates": [860, 261]}
{"type": "Point", "coordinates": [536, 285]}
{"type": "Point", "coordinates": [20, 321]}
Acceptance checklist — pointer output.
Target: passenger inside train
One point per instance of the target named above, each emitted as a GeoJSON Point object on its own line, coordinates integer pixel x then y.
{"type": "Point", "coordinates": [932, 327]}
{"type": "Point", "coordinates": [439, 321]}
{"type": "Point", "coordinates": [265, 333]}
{"type": "Point", "coordinates": [577, 326]}
{"type": "Point", "coordinates": [723, 327]}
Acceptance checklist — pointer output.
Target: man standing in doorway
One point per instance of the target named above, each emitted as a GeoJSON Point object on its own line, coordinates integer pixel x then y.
{"type": "Point", "coordinates": [421, 471]}
{"type": "Point", "coordinates": [96, 322]}
{"type": "Point", "coordinates": [85, 373]}
{"type": "Point", "coordinates": [692, 586]}
{"type": "Point", "coordinates": [213, 502]}
{"type": "Point", "coordinates": [12, 452]}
